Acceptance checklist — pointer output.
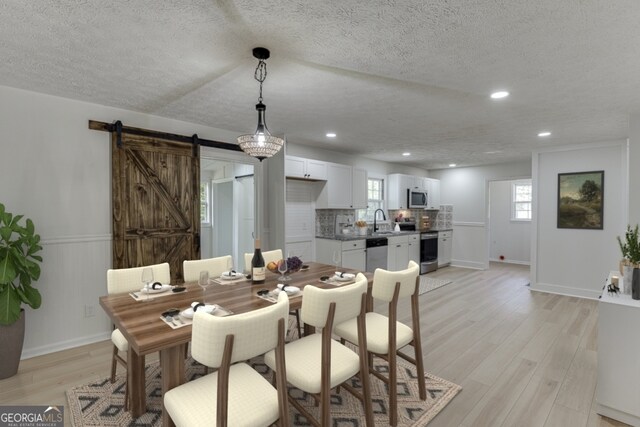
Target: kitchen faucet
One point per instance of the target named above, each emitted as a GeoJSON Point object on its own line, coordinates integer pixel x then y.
{"type": "Point", "coordinates": [375, 226]}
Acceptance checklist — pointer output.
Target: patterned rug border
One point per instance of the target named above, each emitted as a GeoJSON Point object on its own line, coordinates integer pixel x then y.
{"type": "Point", "coordinates": [152, 416]}
{"type": "Point", "coordinates": [430, 284]}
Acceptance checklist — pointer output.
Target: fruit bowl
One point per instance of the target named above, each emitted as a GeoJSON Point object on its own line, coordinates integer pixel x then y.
{"type": "Point", "coordinates": [293, 265]}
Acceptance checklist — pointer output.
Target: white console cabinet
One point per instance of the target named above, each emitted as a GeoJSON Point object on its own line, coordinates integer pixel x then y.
{"type": "Point", "coordinates": [618, 387]}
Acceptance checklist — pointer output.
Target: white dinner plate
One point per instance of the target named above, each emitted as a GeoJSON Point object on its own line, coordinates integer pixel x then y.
{"type": "Point", "coordinates": [163, 288]}
{"type": "Point", "coordinates": [345, 277]}
{"type": "Point", "coordinates": [231, 276]}
{"type": "Point", "coordinates": [188, 313]}
{"type": "Point", "coordinates": [290, 290]}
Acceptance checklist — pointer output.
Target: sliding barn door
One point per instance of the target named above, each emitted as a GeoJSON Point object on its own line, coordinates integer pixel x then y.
{"type": "Point", "coordinates": [156, 202]}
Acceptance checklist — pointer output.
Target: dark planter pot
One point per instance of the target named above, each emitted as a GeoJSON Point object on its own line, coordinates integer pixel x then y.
{"type": "Point", "coordinates": [11, 340]}
{"type": "Point", "coordinates": [635, 284]}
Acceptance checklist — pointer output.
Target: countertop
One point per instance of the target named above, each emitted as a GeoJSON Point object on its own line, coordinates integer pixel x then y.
{"type": "Point", "coordinates": [344, 237]}
{"type": "Point", "coordinates": [347, 237]}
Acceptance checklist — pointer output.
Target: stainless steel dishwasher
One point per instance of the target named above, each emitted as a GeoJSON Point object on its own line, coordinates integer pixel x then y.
{"type": "Point", "coordinates": [376, 253]}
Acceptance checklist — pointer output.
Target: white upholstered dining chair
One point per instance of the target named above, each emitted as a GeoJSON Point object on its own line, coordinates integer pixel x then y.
{"type": "Point", "coordinates": [235, 395]}
{"type": "Point", "coordinates": [385, 335]}
{"type": "Point", "coordinates": [269, 256]}
{"type": "Point", "coordinates": [273, 256]}
{"type": "Point", "coordinates": [215, 266]}
{"type": "Point", "coordinates": [128, 280]}
{"type": "Point", "coordinates": [317, 363]}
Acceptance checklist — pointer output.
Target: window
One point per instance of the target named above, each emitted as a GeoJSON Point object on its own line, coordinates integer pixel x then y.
{"type": "Point", "coordinates": [205, 203]}
{"type": "Point", "coordinates": [375, 199]}
{"type": "Point", "coordinates": [521, 201]}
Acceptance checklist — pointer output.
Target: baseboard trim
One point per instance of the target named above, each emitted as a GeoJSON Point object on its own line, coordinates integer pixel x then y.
{"type": "Point", "coordinates": [64, 345]}
{"type": "Point", "coordinates": [510, 261]}
{"type": "Point", "coordinates": [615, 414]}
{"type": "Point", "coordinates": [467, 264]}
{"type": "Point", "coordinates": [565, 290]}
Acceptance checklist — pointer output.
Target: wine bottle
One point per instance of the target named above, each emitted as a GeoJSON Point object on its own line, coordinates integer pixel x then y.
{"type": "Point", "coordinates": [257, 265]}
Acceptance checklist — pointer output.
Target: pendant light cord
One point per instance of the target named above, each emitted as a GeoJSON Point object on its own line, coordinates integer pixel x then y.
{"type": "Point", "coordinates": [260, 75]}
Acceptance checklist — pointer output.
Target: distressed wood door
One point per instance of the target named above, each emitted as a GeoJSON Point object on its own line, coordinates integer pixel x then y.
{"type": "Point", "coordinates": [156, 202]}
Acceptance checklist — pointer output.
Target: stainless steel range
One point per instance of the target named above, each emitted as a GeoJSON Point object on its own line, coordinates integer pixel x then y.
{"type": "Point", "coordinates": [428, 252]}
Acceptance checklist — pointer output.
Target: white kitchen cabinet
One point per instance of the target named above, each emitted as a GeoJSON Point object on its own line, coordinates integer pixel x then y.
{"type": "Point", "coordinates": [445, 246]}
{"type": "Point", "coordinates": [398, 253]}
{"type": "Point", "coordinates": [414, 248]}
{"type": "Point", "coordinates": [358, 188]}
{"type": "Point", "coordinates": [346, 188]}
{"type": "Point", "coordinates": [397, 185]}
{"type": "Point", "coordinates": [298, 167]}
{"type": "Point", "coordinates": [618, 384]}
{"type": "Point", "coordinates": [433, 193]}
{"type": "Point", "coordinates": [352, 252]}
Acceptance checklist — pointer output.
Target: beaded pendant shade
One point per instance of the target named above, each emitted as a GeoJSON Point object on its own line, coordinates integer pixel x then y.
{"type": "Point", "coordinates": [260, 144]}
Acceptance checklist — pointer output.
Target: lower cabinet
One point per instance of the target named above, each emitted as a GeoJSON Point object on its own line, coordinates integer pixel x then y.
{"type": "Point", "coordinates": [618, 384]}
{"type": "Point", "coordinates": [398, 253]}
{"type": "Point", "coordinates": [445, 245]}
{"type": "Point", "coordinates": [351, 252]}
{"type": "Point", "coordinates": [414, 248]}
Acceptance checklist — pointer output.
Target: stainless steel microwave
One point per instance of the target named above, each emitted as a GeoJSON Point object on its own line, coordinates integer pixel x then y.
{"type": "Point", "coordinates": [416, 198]}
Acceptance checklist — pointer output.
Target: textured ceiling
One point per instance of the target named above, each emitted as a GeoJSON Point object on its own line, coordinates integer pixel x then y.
{"type": "Point", "coordinates": [386, 76]}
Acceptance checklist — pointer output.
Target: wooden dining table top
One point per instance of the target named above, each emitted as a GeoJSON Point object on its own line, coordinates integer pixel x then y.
{"type": "Point", "coordinates": [141, 324]}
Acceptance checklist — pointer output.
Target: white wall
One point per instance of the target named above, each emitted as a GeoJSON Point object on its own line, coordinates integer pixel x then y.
{"type": "Point", "coordinates": [56, 171]}
{"type": "Point", "coordinates": [466, 189]}
{"type": "Point", "coordinates": [634, 172]}
{"type": "Point", "coordinates": [507, 238]}
{"type": "Point", "coordinates": [571, 261]}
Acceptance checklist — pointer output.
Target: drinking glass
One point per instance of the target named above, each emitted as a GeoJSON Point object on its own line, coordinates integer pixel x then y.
{"type": "Point", "coordinates": [282, 268]}
{"type": "Point", "coordinates": [203, 281]}
{"type": "Point", "coordinates": [147, 278]}
{"type": "Point", "coordinates": [336, 259]}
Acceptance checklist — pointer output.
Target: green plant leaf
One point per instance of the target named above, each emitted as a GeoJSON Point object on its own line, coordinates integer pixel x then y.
{"type": "Point", "coordinates": [9, 306]}
{"type": "Point", "coordinates": [7, 269]}
{"type": "Point", "coordinates": [30, 227]}
{"type": "Point", "coordinates": [37, 257]}
{"type": "Point", "coordinates": [5, 233]}
{"type": "Point", "coordinates": [14, 222]}
{"type": "Point", "coordinates": [33, 297]}
{"type": "Point", "coordinates": [1, 210]}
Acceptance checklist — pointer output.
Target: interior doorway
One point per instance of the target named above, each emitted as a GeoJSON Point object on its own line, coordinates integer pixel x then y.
{"type": "Point", "coordinates": [228, 206]}
{"type": "Point", "coordinates": [509, 221]}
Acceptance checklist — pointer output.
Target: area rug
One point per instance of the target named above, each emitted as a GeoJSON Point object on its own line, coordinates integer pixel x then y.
{"type": "Point", "coordinates": [100, 403]}
{"type": "Point", "coordinates": [428, 284]}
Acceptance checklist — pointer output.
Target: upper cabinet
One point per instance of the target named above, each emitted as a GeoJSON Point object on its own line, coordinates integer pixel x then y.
{"type": "Point", "coordinates": [346, 188]}
{"type": "Point", "coordinates": [398, 184]}
{"type": "Point", "coordinates": [300, 168]}
{"type": "Point", "coordinates": [433, 193]}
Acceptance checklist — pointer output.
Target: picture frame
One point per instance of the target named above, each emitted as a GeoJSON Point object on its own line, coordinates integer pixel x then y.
{"type": "Point", "coordinates": [581, 200]}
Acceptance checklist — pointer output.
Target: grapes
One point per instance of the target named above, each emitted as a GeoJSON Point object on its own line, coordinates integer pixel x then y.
{"type": "Point", "coordinates": [294, 263]}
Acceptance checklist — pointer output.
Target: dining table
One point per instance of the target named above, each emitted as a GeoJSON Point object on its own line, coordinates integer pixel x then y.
{"type": "Point", "coordinates": [139, 318]}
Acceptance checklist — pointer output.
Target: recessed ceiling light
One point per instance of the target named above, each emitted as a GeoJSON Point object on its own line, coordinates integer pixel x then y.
{"type": "Point", "coordinates": [452, 165]}
{"type": "Point", "coordinates": [331, 135]}
{"type": "Point", "coordinates": [406, 154]}
{"type": "Point", "coordinates": [493, 152]}
{"type": "Point", "coordinates": [500, 94]}
{"type": "Point", "coordinates": [543, 134]}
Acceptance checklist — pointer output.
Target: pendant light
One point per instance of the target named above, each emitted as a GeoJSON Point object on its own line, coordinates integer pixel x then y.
{"type": "Point", "coordinates": [261, 144]}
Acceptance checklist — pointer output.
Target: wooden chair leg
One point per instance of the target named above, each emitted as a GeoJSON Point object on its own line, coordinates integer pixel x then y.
{"type": "Point", "coordinates": [393, 390]}
{"type": "Point", "coordinates": [422, 387]}
{"type": "Point", "coordinates": [114, 363]}
{"type": "Point", "coordinates": [299, 325]}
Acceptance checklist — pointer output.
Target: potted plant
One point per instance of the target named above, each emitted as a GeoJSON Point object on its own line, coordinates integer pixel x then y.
{"type": "Point", "coordinates": [631, 261]}
{"type": "Point", "coordinates": [19, 268]}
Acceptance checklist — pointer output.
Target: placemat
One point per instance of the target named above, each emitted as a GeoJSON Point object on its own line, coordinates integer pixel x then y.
{"type": "Point", "coordinates": [180, 321]}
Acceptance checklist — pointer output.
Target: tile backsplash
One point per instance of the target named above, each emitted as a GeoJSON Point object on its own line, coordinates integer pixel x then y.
{"type": "Point", "coordinates": [326, 218]}
{"type": "Point", "coordinates": [444, 219]}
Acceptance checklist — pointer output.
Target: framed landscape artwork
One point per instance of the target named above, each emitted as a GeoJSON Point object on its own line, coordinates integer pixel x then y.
{"type": "Point", "coordinates": [580, 200]}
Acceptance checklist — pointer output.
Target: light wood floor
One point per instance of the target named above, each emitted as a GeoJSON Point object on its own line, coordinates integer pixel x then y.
{"type": "Point", "coordinates": [523, 358]}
